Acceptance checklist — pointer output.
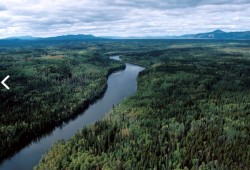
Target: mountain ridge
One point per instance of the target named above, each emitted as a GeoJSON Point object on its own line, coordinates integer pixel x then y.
{"type": "Point", "coordinates": [61, 37]}
{"type": "Point", "coordinates": [216, 34]}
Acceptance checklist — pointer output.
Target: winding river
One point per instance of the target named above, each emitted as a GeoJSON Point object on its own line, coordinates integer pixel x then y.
{"type": "Point", "coordinates": [121, 84]}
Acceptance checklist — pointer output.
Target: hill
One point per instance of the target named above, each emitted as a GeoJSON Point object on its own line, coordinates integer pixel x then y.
{"type": "Point", "coordinates": [62, 37]}
{"type": "Point", "coordinates": [218, 34]}
{"type": "Point", "coordinates": [73, 37]}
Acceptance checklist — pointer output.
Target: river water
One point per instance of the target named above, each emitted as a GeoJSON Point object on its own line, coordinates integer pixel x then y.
{"type": "Point", "coordinates": [121, 84]}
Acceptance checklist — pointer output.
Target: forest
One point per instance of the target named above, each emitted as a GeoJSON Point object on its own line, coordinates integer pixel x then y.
{"type": "Point", "coordinates": [191, 111]}
{"type": "Point", "coordinates": [49, 83]}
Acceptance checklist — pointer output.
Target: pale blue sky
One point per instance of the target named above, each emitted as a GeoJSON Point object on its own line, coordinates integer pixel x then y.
{"type": "Point", "coordinates": [121, 17]}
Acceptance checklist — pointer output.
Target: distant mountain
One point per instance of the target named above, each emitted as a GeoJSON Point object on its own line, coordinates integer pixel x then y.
{"type": "Point", "coordinates": [22, 38]}
{"type": "Point", "coordinates": [58, 38]}
{"type": "Point", "coordinates": [218, 34]}
{"type": "Point", "coordinates": [138, 37]}
{"type": "Point", "coordinates": [73, 37]}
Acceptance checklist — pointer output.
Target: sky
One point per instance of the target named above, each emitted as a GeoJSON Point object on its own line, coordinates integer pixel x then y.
{"type": "Point", "coordinates": [45, 18]}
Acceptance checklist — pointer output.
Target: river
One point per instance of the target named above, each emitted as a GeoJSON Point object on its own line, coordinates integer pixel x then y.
{"type": "Point", "coordinates": [121, 84]}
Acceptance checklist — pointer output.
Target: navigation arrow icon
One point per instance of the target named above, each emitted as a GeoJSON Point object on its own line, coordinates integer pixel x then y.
{"type": "Point", "coordinates": [3, 82]}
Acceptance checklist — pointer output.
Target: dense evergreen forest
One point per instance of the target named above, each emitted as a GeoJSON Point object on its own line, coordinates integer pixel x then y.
{"type": "Point", "coordinates": [49, 83]}
{"type": "Point", "coordinates": [191, 111]}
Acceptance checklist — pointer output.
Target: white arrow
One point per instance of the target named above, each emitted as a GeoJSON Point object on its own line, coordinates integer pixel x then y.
{"type": "Point", "coordinates": [3, 82]}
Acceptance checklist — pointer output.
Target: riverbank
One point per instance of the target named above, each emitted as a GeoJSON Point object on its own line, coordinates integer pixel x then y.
{"type": "Point", "coordinates": [48, 128]}
{"type": "Point", "coordinates": [115, 92]}
{"type": "Point", "coordinates": [189, 112]}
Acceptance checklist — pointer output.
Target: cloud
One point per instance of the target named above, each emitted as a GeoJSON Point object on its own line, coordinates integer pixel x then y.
{"type": "Point", "coordinates": [121, 17]}
{"type": "Point", "coordinates": [2, 7]}
{"type": "Point", "coordinates": [173, 4]}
